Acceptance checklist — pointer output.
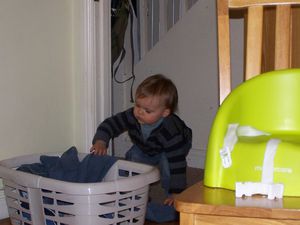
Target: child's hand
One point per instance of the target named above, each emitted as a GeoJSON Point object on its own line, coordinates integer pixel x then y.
{"type": "Point", "coordinates": [99, 148]}
{"type": "Point", "coordinates": [170, 200]}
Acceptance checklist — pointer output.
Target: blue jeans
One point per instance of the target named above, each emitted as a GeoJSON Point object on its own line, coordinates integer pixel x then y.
{"type": "Point", "coordinates": [135, 154]}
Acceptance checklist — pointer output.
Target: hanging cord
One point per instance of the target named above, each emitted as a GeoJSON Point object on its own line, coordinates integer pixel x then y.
{"type": "Point", "coordinates": [123, 53]}
{"type": "Point", "coordinates": [132, 50]}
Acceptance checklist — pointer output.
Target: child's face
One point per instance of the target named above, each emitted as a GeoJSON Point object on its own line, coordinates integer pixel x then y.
{"type": "Point", "coordinates": [149, 110]}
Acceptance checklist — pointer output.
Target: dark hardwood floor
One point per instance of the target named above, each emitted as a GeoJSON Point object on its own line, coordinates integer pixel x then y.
{"type": "Point", "coordinates": [169, 223]}
{"type": "Point", "coordinates": [5, 222]}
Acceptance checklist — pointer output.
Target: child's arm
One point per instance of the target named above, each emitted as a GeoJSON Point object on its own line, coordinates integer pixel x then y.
{"type": "Point", "coordinates": [99, 148]}
{"type": "Point", "coordinates": [102, 138]}
{"type": "Point", "coordinates": [111, 127]}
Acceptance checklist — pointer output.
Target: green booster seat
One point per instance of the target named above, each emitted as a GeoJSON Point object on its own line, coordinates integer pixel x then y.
{"type": "Point", "coordinates": [254, 143]}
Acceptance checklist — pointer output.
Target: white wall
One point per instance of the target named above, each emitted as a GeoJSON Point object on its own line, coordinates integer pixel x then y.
{"type": "Point", "coordinates": [41, 77]}
{"type": "Point", "coordinates": [37, 84]}
{"type": "Point", "coordinates": [49, 75]}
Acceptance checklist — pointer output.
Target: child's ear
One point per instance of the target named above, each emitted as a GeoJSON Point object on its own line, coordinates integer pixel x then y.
{"type": "Point", "coordinates": [166, 112]}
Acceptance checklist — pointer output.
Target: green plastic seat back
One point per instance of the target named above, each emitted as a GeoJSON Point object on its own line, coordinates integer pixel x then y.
{"type": "Point", "coordinates": [269, 102]}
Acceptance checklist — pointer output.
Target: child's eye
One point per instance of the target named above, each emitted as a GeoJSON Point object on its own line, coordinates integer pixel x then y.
{"type": "Point", "coordinates": [147, 111]}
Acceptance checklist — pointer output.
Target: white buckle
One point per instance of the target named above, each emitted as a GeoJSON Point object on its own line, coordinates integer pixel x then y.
{"type": "Point", "coordinates": [229, 141]}
{"type": "Point", "coordinates": [225, 154]}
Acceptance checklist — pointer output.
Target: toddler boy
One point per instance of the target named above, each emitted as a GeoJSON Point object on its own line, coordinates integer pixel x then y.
{"type": "Point", "coordinates": [159, 136]}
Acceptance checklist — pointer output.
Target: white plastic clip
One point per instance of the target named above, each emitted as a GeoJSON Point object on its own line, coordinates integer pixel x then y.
{"type": "Point", "coordinates": [229, 141]}
{"type": "Point", "coordinates": [225, 154]}
{"type": "Point", "coordinates": [251, 188]}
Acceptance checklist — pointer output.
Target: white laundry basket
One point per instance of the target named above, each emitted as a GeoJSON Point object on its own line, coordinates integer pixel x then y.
{"type": "Point", "coordinates": [121, 198]}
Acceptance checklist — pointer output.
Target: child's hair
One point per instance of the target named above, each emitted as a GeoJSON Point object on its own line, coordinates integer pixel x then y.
{"type": "Point", "coordinates": [160, 86]}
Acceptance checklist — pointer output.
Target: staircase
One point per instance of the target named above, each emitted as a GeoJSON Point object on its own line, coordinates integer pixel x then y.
{"type": "Point", "coordinates": [176, 38]}
{"type": "Point", "coordinates": [156, 18]}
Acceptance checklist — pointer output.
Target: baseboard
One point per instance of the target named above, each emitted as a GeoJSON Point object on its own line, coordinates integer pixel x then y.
{"type": "Point", "coordinates": [3, 207]}
{"type": "Point", "coordinates": [196, 158]}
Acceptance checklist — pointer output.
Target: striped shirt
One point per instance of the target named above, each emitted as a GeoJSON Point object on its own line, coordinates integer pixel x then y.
{"type": "Point", "coordinates": [172, 136]}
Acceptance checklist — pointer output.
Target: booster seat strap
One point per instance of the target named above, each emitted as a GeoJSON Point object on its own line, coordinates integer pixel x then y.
{"type": "Point", "coordinates": [248, 131]}
{"type": "Point", "coordinates": [268, 164]}
{"type": "Point", "coordinates": [233, 132]}
{"type": "Point", "coordinates": [266, 186]}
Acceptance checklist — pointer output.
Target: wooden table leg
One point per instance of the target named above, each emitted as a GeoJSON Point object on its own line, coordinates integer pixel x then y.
{"type": "Point", "coordinates": [187, 219]}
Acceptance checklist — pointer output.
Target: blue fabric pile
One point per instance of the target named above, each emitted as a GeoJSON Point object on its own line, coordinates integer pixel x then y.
{"type": "Point", "coordinates": [91, 169]}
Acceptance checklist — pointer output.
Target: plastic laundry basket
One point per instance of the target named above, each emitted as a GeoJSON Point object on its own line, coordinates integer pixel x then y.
{"type": "Point", "coordinates": [120, 199]}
